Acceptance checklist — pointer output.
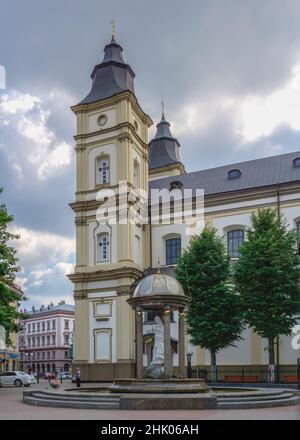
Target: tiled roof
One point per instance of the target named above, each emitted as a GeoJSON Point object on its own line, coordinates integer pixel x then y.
{"type": "Point", "coordinates": [254, 173]}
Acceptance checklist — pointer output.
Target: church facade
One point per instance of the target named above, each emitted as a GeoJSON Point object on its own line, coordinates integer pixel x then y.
{"type": "Point", "coordinates": [112, 146]}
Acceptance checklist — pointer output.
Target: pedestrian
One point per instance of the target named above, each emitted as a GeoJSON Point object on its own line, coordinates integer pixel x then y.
{"type": "Point", "coordinates": [77, 377]}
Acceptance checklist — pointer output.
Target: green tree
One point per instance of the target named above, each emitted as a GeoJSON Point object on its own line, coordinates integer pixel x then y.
{"type": "Point", "coordinates": [267, 277]}
{"type": "Point", "coordinates": [8, 267]}
{"type": "Point", "coordinates": [214, 315]}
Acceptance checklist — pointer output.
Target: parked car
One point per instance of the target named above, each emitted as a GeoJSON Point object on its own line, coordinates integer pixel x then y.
{"type": "Point", "coordinates": [65, 375]}
{"type": "Point", "coordinates": [17, 378]}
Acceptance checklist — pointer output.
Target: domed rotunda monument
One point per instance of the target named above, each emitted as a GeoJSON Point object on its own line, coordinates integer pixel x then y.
{"type": "Point", "coordinates": [163, 295]}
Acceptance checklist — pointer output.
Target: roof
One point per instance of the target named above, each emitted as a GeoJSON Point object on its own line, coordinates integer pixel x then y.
{"type": "Point", "coordinates": [51, 309]}
{"type": "Point", "coordinates": [164, 148]}
{"type": "Point", "coordinates": [110, 77]}
{"type": "Point", "coordinates": [254, 173]}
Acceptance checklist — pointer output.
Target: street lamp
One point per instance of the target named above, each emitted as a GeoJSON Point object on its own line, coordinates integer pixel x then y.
{"type": "Point", "coordinates": [189, 365]}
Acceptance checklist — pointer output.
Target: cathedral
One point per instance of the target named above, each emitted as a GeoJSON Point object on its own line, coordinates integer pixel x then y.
{"type": "Point", "coordinates": [112, 146]}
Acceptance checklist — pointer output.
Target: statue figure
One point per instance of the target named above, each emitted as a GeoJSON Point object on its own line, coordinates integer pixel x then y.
{"type": "Point", "coordinates": [156, 367]}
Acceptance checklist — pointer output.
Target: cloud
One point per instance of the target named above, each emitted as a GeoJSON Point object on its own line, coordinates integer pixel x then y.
{"type": "Point", "coordinates": [36, 248]}
{"type": "Point", "coordinates": [45, 259]}
{"type": "Point", "coordinates": [261, 115]}
{"type": "Point", "coordinates": [28, 117]}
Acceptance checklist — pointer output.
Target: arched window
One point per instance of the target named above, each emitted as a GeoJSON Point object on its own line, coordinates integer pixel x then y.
{"type": "Point", "coordinates": [102, 171]}
{"type": "Point", "coordinates": [103, 247]}
{"type": "Point", "coordinates": [235, 238]}
{"type": "Point", "coordinates": [296, 162]}
{"type": "Point", "coordinates": [234, 174]}
{"type": "Point", "coordinates": [136, 174]}
{"type": "Point", "coordinates": [173, 250]}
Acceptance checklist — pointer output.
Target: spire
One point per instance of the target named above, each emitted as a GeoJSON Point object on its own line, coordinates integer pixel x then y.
{"type": "Point", "coordinates": [164, 148]}
{"type": "Point", "coordinates": [113, 75]}
{"type": "Point", "coordinates": [113, 31]}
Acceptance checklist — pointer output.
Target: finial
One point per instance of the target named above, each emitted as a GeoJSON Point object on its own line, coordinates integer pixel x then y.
{"type": "Point", "coordinates": [163, 107]}
{"type": "Point", "coordinates": [113, 31]}
{"type": "Point", "coordinates": [158, 265]}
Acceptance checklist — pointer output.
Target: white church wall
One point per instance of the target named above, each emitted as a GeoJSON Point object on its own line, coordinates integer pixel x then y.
{"type": "Point", "coordinates": [93, 124]}
{"type": "Point", "coordinates": [238, 355]}
{"type": "Point", "coordinates": [159, 234]}
{"type": "Point", "coordinates": [95, 325]}
{"type": "Point", "coordinates": [222, 224]}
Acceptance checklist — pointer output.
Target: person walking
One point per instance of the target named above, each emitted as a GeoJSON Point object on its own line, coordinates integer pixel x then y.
{"type": "Point", "coordinates": [77, 377]}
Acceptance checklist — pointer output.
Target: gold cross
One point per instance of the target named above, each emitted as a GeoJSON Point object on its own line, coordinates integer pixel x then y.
{"type": "Point", "coordinates": [113, 25]}
{"type": "Point", "coordinates": [163, 107]}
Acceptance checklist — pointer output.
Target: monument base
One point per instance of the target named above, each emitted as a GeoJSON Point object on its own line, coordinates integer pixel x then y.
{"type": "Point", "coordinates": [164, 402]}
{"type": "Point", "coordinates": [159, 386]}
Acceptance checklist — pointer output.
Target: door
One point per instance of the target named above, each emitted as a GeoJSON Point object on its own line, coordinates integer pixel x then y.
{"type": "Point", "coordinates": [11, 377]}
{"type": "Point", "coordinates": [8, 378]}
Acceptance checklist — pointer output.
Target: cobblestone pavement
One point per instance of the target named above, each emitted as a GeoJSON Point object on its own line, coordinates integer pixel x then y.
{"type": "Point", "coordinates": [12, 408]}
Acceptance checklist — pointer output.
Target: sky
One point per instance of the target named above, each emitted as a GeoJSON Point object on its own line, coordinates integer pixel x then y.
{"type": "Point", "coordinates": [228, 71]}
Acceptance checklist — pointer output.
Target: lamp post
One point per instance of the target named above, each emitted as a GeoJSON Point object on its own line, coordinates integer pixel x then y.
{"type": "Point", "coordinates": [189, 365]}
{"type": "Point", "coordinates": [29, 355]}
{"type": "Point", "coordinates": [298, 373]}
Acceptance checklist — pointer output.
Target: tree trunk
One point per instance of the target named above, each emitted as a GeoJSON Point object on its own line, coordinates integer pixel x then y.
{"type": "Point", "coordinates": [271, 352]}
{"type": "Point", "coordinates": [213, 364]}
{"type": "Point", "coordinates": [271, 367]}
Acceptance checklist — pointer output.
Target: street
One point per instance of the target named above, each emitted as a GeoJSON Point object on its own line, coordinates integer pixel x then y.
{"type": "Point", "coordinates": [12, 408]}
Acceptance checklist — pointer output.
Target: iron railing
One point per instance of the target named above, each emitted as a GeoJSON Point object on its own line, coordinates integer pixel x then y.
{"type": "Point", "coordinates": [284, 374]}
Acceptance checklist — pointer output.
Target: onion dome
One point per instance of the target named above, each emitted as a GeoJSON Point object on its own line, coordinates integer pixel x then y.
{"type": "Point", "coordinates": [112, 76]}
{"type": "Point", "coordinates": [164, 148]}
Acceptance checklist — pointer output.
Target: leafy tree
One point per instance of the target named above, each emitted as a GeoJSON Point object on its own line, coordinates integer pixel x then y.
{"type": "Point", "coordinates": [214, 315]}
{"type": "Point", "coordinates": [267, 276]}
{"type": "Point", "coordinates": [8, 267]}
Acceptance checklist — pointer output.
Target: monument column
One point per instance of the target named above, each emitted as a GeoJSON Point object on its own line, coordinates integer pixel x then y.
{"type": "Point", "coordinates": [139, 344]}
{"type": "Point", "coordinates": [167, 344]}
{"type": "Point", "coordinates": [181, 344]}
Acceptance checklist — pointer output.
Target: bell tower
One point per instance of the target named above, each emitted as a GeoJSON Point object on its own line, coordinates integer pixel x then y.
{"type": "Point", "coordinates": [111, 147]}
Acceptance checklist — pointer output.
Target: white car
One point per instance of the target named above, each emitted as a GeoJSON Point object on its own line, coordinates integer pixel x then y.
{"type": "Point", "coordinates": [17, 378]}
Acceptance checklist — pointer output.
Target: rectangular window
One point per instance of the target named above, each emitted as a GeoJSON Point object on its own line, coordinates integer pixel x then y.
{"type": "Point", "coordinates": [173, 250]}
{"type": "Point", "coordinates": [48, 325]}
{"type": "Point", "coordinates": [103, 247]}
{"type": "Point", "coordinates": [102, 171]}
{"type": "Point", "coordinates": [48, 354]}
{"type": "Point", "coordinates": [43, 326]}
{"type": "Point", "coordinates": [48, 340]}
{"type": "Point", "coordinates": [66, 354]}
{"type": "Point", "coordinates": [43, 355]}
{"type": "Point", "coordinates": [33, 327]}
{"type": "Point", "coordinates": [53, 324]}
{"type": "Point", "coordinates": [66, 324]}
{"type": "Point", "coordinates": [53, 354]}
{"type": "Point", "coordinates": [235, 239]}
{"type": "Point", "coordinates": [29, 328]}
{"type": "Point", "coordinates": [38, 354]}
{"type": "Point", "coordinates": [38, 326]}
{"type": "Point", "coordinates": [53, 339]}
{"type": "Point", "coordinates": [38, 341]}
{"type": "Point", "coordinates": [66, 340]}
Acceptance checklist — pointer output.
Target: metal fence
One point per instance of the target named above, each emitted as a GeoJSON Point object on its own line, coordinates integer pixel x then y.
{"type": "Point", "coordinates": [284, 374]}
